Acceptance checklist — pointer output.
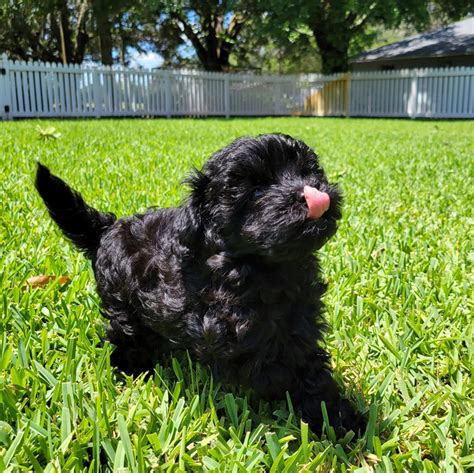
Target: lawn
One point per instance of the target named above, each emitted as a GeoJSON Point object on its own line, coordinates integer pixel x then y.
{"type": "Point", "coordinates": [398, 308]}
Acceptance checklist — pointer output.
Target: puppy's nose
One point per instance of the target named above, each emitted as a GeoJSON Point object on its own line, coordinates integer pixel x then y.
{"type": "Point", "coordinates": [318, 202]}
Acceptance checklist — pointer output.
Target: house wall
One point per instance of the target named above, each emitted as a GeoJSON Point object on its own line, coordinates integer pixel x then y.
{"type": "Point", "coordinates": [416, 63]}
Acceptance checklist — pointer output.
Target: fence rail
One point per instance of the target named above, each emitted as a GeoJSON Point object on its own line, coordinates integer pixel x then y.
{"type": "Point", "coordinates": [32, 89]}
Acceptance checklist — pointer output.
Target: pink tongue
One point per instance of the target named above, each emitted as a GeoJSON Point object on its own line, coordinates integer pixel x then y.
{"type": "Point", "coordinates": [318, 202]}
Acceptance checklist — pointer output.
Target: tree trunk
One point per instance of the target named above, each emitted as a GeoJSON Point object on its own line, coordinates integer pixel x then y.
{"type": "Point", "coordinates": [104, 31]}
{"type": "Point", "coordinates": [213, 53]}
{"type": "Point", "coordinates": [82, 38]}
{"type": "Point", "coordinates": [334, 52]}
{"type": "Point", "coordinates": [210, 63]}
{"type": "Point", "coordinates": [334, 60]}
{"type": "Point", "coordinates": [208, 58]}
{"type": "Point", "coordinates": [105, 39]}
{"type": "Point", "coordinates": [65, 33]}
{"type": "Point", "coordinates": [211, 58]}
{"type": "Point", "coordinates": [61, 36]}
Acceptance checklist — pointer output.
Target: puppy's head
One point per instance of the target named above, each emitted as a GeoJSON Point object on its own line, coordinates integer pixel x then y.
{"type": "Point", "coordinates": [266, 196]}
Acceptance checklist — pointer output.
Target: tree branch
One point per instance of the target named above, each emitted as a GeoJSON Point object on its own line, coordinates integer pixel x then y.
{"type": "Point", "coordinates": [190, 34]}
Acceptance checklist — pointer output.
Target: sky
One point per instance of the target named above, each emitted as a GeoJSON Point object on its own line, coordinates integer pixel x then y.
{"type": "Point", "coordinates": [147, 60]}
{"type": "Point", "coordinates": [150, 59]}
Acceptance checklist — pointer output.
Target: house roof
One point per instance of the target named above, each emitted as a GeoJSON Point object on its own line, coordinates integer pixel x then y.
{"type": "Point", "coordinates": [453, 40]}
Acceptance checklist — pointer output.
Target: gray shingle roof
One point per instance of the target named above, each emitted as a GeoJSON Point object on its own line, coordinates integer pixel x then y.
{"type": "Point", "coordinates": [452, 40]}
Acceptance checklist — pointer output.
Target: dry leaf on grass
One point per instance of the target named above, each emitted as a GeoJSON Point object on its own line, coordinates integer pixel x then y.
{"type": "Point", "coordinates": [42, 280]}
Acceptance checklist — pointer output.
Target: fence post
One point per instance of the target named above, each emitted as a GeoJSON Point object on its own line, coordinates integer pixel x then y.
{"type": "Point", "coordinates": [226, 97]}
{"type": "Point", "coordinates": [97, 93]}
{"type": "Point", "coordinates": [347, 104]}
{"type": "Point", "coordinates": [5, 91]}
{"type": "Point", "coordinates": [412, 104]}
{"type": "Point", "coordinates": [168, 94]}
{"type": "Point", "coordinates": [276, 90]}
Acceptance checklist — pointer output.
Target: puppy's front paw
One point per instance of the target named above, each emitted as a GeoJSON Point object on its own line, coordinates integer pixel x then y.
{"type": "Point", "coordinates": [350, 419]}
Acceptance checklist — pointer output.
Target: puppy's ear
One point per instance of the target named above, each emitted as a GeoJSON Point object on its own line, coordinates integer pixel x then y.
{"type": "Point", "coordinates": [192, 211]}
{"type": "Point", "coordinates": [199, 182]}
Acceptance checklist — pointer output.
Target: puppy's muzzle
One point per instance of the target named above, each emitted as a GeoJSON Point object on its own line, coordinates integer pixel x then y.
{"type": "Point", "coordinates": [318, 202]}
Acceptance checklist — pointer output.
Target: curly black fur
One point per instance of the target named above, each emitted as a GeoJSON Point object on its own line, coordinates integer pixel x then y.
{"type": "Point", "coordinates": [230, 275]}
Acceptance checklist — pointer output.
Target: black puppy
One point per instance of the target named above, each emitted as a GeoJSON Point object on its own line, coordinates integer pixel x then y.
{"type": "Point", "coordinates": [230, 275]}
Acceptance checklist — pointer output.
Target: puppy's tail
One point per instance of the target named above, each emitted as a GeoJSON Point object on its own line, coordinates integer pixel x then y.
{"type": "Point", "coordinates": [82, 224]}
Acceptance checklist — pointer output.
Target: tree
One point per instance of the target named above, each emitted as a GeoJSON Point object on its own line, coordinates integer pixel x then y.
{"type": "Point", "coordinates": [276, 50]}
{"type": "Point", "coordinates": [212, 27]}
{"type": "Point", "coordinates": [339, 24]}
{"type": "Point", "coordinates": [111, 21]}
{"type": "Point", "coordinates": [66, 30]}
{"type": "Point", "coordinates": [49, 30]}
{"type": "Point", "coordinates": [131, 30]}
{"type": "Point", "coordinates": [70, 29]}
{"type": "Point", "coordinates": [102, 11]}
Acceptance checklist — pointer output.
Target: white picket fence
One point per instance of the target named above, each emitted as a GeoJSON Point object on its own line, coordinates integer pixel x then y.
{"type": "Point", "coordinates": [423, 93]}
{"type": "Point", "coordinates": [30, 89]}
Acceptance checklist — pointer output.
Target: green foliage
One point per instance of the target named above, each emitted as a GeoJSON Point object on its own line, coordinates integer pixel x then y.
{"type": "Point", "coordinates": [69, 31]}
{"type": "Point", "coordinates": [22, 27]}
{"type": "Point", "coordinates": [400, 324]}
{"type": "Point", "coordinates": [284, 49]}
{"type": "Point", "coordinates": [48, 133]}
{"type": "Point", "coordinates": [217, 35]}
{"type": "Point", "coordinates": [213, 28]}
{"type": "Point", "coordinates": [343, 26]}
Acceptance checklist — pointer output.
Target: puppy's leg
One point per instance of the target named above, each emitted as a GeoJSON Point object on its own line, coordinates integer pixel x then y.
{"type": "Point", "coordinates": [315, 385]}
{"type": "Point", "coordinates": [137, 348]}
{"type": "Point", "coordinates": [309, 384]}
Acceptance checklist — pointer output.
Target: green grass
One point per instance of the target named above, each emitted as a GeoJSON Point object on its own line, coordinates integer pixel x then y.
{"type": "Point", "coordinates": [401, 330]}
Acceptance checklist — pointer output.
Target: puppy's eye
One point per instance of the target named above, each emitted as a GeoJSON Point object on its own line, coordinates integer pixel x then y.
{"type": "Point", "coordinates": [256, 193]}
